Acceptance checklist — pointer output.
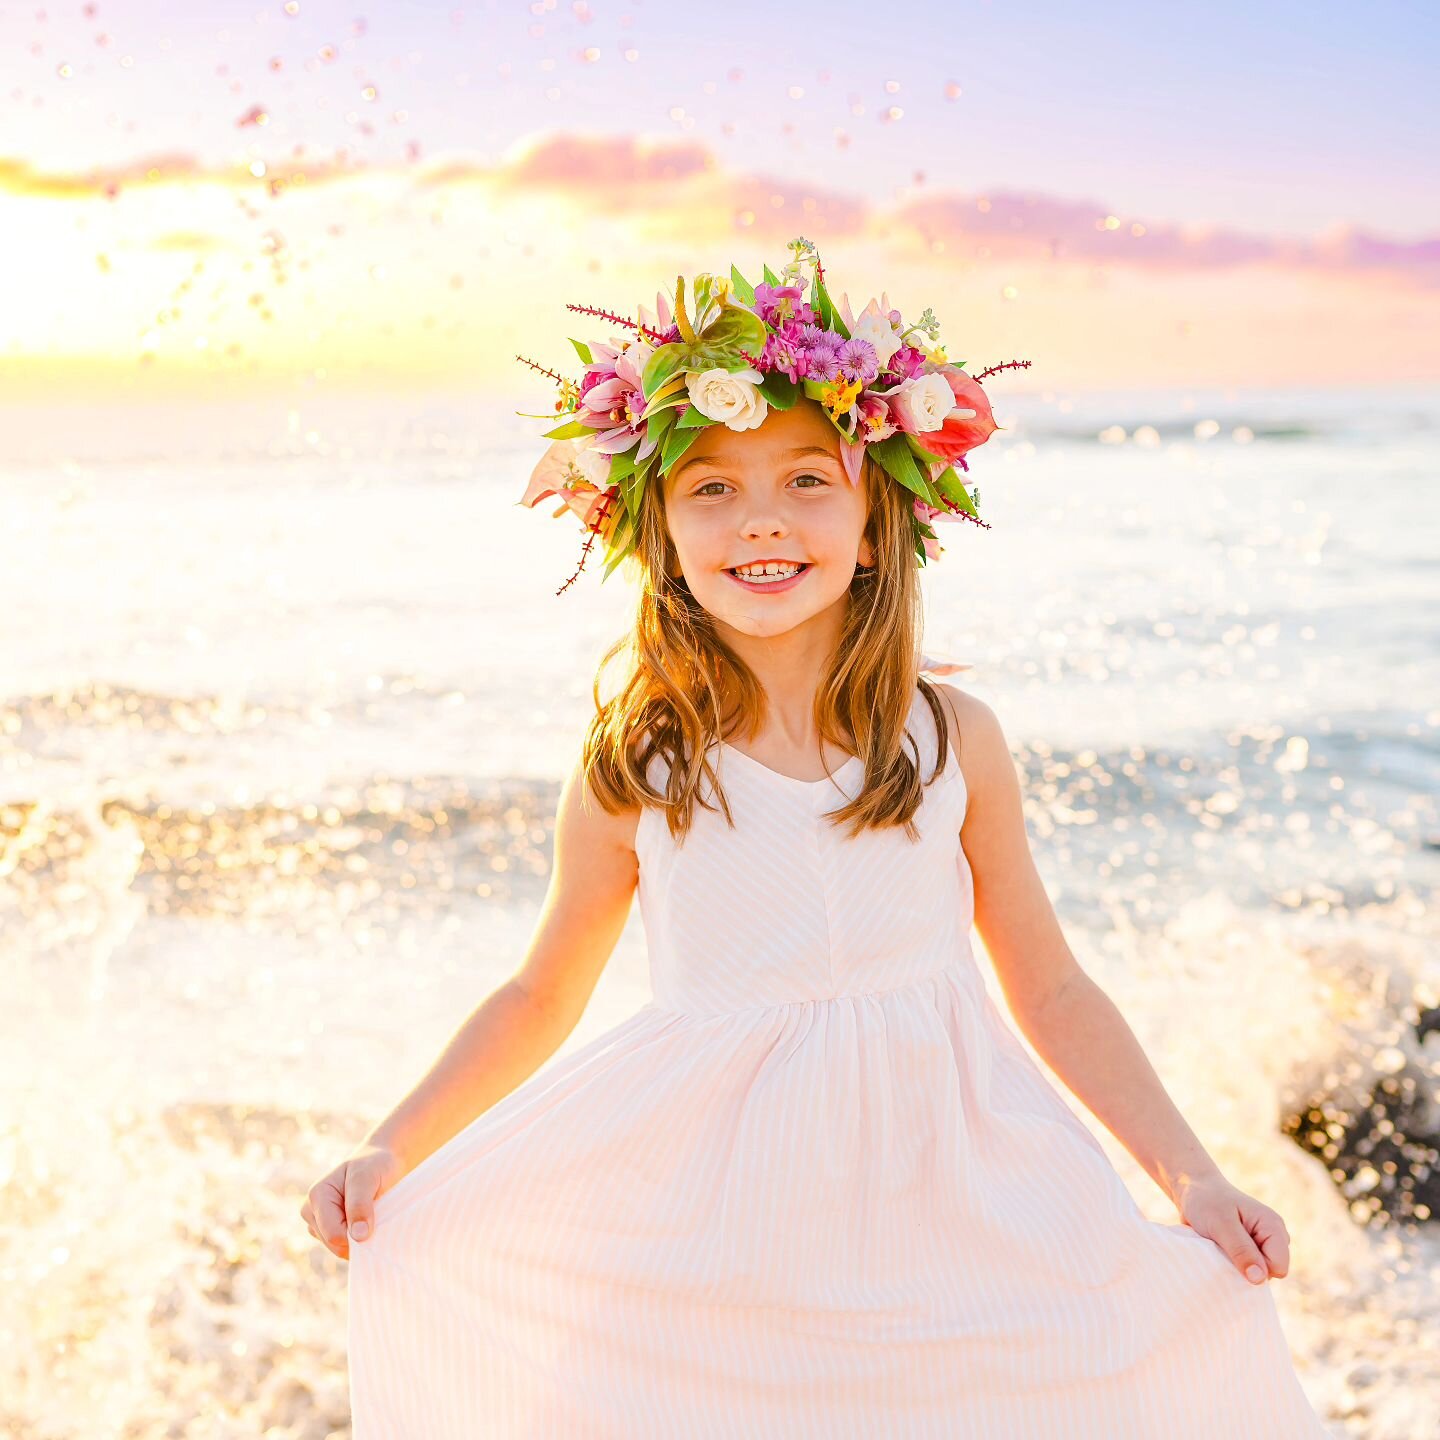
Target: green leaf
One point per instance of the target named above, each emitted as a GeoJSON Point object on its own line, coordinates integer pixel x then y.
{"type": "Point", "coordinates": [670, 396]}
{"type": "Point", "coordinates": [743, 288]}
{"type": "Point", "coordinates": [677, 442]}
{"type": "Point", "coordinates": [662, 366]}
{"type": "Point", "coordinates": [692, 419]}
{"type": "Point", "coordinates": [922, 454]}
{"type": "Point", "coordinates": [771, 278]}
{"type": "Point", "coordinates": [631, 487]}
{"type": "Point", "coordinates": [571, 431]}
{"type": "Point", "coordinates": [950, 485]}
{"type": "Point", "coordinates": [830, 318]}
{"type": "Point", "coordinates": [621, 465]}
{"type": "Point", "coordinates": [583, 350]}
{"type": "Point", "coordinates": [657, 427]}
{"type": "Point", "coordinates": [898, 461]}
{"type": "Point", "coordinates": [779, 390]}
{"type": "Point", "coordinates": [621, 543]}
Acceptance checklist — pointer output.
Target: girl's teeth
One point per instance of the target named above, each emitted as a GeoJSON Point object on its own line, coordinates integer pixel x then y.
{"type": "Point", "coordinates": [769, 576]}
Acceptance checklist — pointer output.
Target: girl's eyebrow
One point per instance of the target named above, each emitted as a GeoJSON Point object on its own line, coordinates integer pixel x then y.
{"type": "Point", "coordinates": [791, 454]}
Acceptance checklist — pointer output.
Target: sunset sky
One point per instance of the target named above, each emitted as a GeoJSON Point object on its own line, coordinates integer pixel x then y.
{"type": "Point", "coordinates": [1247, 195]}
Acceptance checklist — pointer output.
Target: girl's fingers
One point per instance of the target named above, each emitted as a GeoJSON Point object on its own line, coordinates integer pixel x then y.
{"type": "Point", "coordinates": [1273, 1239]}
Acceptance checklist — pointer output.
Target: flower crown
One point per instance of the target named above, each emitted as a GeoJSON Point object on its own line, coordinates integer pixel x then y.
{"type": "Point", "coordinates": [748, 349]}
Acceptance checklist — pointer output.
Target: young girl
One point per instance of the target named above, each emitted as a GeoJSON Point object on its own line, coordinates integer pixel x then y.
{"type": "Point", "coordinates": [817, 1187]}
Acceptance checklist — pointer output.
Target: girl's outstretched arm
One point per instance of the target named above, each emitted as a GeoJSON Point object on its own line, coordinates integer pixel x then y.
{"type": "Point", "coordinates": [518, 1027]}
{"type": "Point", "coordinates": [1073, 1025]}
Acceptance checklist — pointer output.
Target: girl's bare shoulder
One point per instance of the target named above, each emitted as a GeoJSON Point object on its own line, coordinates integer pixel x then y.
{"type": "Point", "coordinates": [976, 738]}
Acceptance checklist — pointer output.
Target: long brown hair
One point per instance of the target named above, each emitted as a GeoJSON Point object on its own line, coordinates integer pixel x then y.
{"type": "Point", "coordinates": [668, 702]}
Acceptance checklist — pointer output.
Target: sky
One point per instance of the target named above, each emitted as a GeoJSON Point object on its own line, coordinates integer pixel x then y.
{"type": "Point", "coordinates": [406, 196]}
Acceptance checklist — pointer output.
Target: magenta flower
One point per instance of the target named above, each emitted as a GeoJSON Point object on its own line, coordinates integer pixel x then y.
{"type": "Point", "coordinates": [783, 352]}
{"type": "Point", "coordinates": [907, 363]}
{"type": "Point", "coordinates": [775, 304]}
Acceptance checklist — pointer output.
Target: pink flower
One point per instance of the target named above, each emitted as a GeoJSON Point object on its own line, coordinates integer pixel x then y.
{"type": "Point", "coordinates": [876, 422]}
{"type": "Point", "coordinates": [968, 425]}
{"type": "Point", "coordinates": [612, 400]}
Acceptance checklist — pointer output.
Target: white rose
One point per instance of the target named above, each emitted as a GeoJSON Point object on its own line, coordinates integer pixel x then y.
{"type": "Point", "coordinates": [594, 466]}
{"type": "Point", "coordinates": [922, 402]}
{"type": "Point", "coordinates": [730, 396]}
{"type": "Point", "coordinates": [874, 325]}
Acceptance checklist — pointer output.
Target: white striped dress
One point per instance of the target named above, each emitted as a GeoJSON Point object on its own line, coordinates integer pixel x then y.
{"type": "Point", "coordinates": [816, 1189]}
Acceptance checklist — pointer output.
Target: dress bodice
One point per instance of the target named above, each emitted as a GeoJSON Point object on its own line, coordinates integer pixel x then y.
{"type": "Point", "coordinates": [787, 906]}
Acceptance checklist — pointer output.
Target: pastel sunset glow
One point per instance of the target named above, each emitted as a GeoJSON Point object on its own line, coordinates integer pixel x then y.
{"type": "Point", "coordinates": [287, 191]}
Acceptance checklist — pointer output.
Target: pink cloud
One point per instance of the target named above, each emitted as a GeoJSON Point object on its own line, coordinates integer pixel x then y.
{"type": "Point", "coordinates": [677, 188]}
{"type": "Point", "coordinates": [1001, 226]}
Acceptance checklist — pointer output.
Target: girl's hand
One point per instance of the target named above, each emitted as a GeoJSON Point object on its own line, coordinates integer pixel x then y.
{"type": "Point", "coordinates": [341, 1205]}
{"type": "Point", "coordinates": [1251, 1234]}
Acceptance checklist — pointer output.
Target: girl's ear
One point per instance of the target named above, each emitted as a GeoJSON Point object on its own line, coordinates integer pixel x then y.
{"type": "Point", "coordinates": [866, 555]}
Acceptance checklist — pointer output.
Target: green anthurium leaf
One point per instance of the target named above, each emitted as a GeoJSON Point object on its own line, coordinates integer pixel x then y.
{"type": "Point", "coordinates": [895, 456]}
{"type": "Point", "coordinates": [572, 430]}
{"type": "Point", "coordinates": [771, 278]}
{"type": "Point", "coordinates": [950, 485]}
{"type": "Point", "coordinates": [718, 348]}
{"type": "Point", "coordinates": [583, 351]}
{"type": "Point", "coordinates": [692, 419]}
{"type": "Point", "coordinates": [734, 329]}
{"type": "Point", "coordinates": [779, 390]}
{"type": "Point", "coordinates": [743, 288]}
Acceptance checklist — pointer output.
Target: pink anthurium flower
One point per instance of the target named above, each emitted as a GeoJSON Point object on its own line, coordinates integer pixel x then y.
{"type": "Point", "coordinates": [578, 475]}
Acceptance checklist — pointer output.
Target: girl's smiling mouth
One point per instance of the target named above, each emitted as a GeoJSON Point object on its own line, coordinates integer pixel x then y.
{"type": "Point", "coordinates": [772, 582]}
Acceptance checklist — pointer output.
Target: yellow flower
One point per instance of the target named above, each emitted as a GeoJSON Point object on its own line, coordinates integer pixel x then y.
{"type": "Point", "coordinates": [938, 356]}
{"type": "Point", "coordinates": [839, 395]}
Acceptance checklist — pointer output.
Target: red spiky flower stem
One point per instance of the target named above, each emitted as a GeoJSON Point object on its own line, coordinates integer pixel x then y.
{"type": "Point", "coordinates": [558, 379]}
{"type": "Point", "coordinates": [1008, 365]}
{"type": "Point", "coordinates": [614, 319]}
{"type": "Point", "coordinates": [594, 530]}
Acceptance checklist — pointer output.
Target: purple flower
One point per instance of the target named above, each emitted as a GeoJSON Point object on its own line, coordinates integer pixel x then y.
{"type": "Point", "coordinates": [820, 363]}
{"type": "Point", "coordinates": [858, 361]}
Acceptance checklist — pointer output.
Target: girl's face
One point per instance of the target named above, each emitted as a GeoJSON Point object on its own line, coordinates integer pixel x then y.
{"type": "Point", "coordinates": [779, 493]}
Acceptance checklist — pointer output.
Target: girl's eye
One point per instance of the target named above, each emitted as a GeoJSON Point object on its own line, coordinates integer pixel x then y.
{"type": "Point", "coordinates": [819, 480]}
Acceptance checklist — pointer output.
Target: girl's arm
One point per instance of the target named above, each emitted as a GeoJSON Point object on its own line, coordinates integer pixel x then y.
{"type": "Point", "coordinates": [513, 1032]}
{"type": "Point", "coordinates": [1066, 1016]}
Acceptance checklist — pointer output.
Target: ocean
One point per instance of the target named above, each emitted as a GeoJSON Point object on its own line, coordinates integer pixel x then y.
{"type": "Point", "coordinates": [287, 699]}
